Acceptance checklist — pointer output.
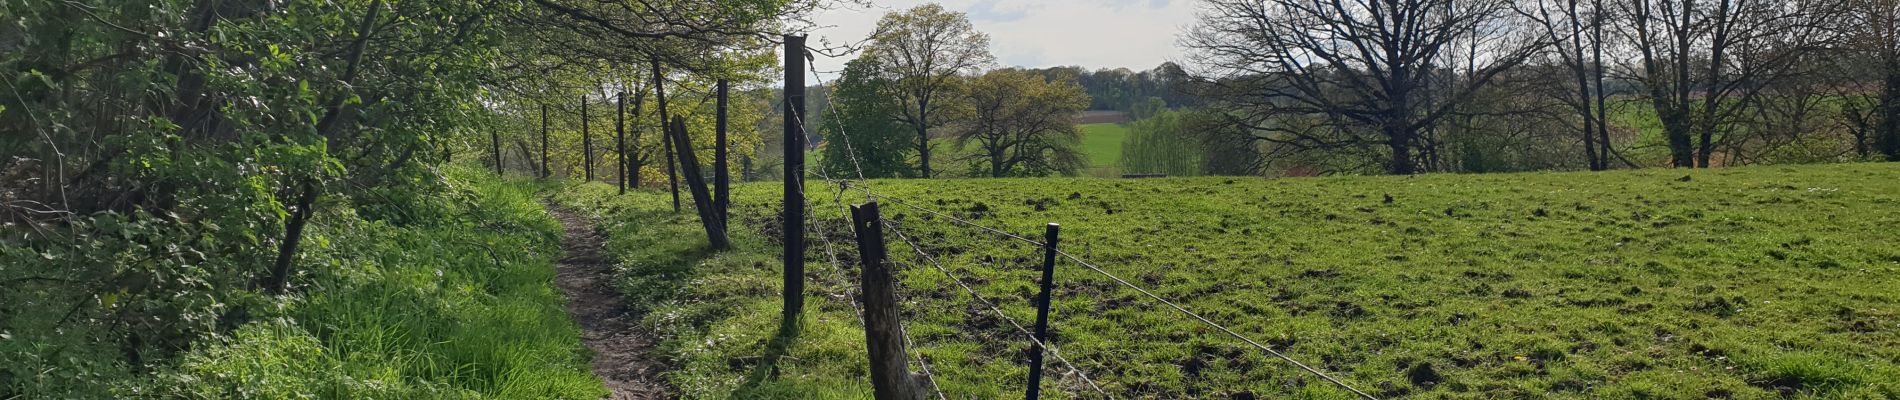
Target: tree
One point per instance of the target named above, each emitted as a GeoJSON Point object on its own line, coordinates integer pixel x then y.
{"type": "Point", "coordinates": [1023, 123]}
{"type": "Point", "coordinates": [1159, 144]}
{"type": "Point", "coordinates": [1872, 49]}
{"type": "Point", "coordinates": [923, 50]}
{"type": "Point", "coordinates": [1576, 38]}
{"type": "Point", "coordinates": [1705, 63]}
{"type": "Point", "coordinates": [859, 134]}
{"type": "Point", "coordinates": [1350, 73]}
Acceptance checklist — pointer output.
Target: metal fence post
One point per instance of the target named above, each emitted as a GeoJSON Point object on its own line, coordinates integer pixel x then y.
{"type": "Point", "coordinates": [587, 143]}
{"type": "Point", "coordinates": [794, 217]}
{"type": "Point", "coordinates": [1042, 310]}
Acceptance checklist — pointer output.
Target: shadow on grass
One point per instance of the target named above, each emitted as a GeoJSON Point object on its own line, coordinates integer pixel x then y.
{"type": "Point", "coordinates": [776, 349]}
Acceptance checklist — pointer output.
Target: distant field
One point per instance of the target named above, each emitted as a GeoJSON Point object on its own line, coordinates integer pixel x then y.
{"type": "Point", "coordinates": [1753, 283]}
{"type": "Point", "coordinates": [1103, 143]}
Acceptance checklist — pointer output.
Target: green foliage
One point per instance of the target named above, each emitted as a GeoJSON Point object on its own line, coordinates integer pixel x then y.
{"type": "Point", "coordinates": [859, 125]}
{"type": "Point", "coordinates": [1162, 144]}
{"type": "Point", "coordinates": [459, 305]}
{"type": "Point", "coordinates": [1758, 282]}
{"type": "Point", "coordinates": [1022, 124]}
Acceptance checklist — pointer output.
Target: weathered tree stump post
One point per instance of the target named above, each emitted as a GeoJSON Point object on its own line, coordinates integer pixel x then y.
{"type": "Point", "coordinates": [883, 333]}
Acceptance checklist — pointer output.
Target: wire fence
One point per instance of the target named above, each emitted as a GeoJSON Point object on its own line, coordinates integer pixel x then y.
{"type": "Point", "coordinates": [844, 185]}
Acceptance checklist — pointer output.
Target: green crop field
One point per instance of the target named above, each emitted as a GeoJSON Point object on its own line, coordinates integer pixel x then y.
{"type": "Point", "coordinates": [1103, 144]}
{"type": "Point", "coordinates": [1757, 282]}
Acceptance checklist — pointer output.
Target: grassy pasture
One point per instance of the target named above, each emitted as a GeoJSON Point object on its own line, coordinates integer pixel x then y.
{"type": "Point", "coordinates": [1754, 283]}
{"type": "Point", "coordinates": [1103, 143]}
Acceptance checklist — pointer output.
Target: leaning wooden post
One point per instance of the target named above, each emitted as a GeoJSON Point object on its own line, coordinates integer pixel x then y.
{"type": "Point", "coordinates": [620, 141]}
{"type": "Point", "coordinates": [702, 201]}
{"type": "Point", "coordinates": [544, 142]}
{"type": "Point", "coordinates": [659, 92]}
{"type": "Point", "coordinates": [794, 217]}
{"type": "Point", "coordinates": [883, 332]}
{"type": "Point", "coordinates": [587, 143]}
{"type": "Point", "coordinates": [722, 180]}
{"type": "Point", "coordinates": [1042, 310]}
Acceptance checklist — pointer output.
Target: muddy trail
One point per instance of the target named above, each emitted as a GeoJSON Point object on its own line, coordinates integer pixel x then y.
{"type": "Point", "coordinates": [624, 354]}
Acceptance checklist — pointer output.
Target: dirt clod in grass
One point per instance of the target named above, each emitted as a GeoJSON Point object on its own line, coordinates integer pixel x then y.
{"type": "Point", "coordinates": [1422, 375]}
{"type": "Point", "coordinates": [624, 354]}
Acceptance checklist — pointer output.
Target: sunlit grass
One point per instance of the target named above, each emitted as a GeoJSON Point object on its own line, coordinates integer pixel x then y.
{"type": "Point", "coordinates": [1758, 282]}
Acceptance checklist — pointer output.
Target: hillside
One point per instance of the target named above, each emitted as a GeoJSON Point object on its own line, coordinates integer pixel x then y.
{"type": "Point", "coordinates": [1746, 283]}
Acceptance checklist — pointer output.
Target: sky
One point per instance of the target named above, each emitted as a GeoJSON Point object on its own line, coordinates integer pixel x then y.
{"type": "Point", "coordinates": [1133, 34]}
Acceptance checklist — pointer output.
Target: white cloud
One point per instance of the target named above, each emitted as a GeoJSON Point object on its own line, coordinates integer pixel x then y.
{"type": "Point", "coordinates": [1136, 34]}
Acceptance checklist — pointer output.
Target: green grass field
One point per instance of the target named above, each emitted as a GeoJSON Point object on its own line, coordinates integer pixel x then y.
{"type": "Point", "coordinates": [1103, 143]}
{"type": "Point", "coordinates": [1754, 283]}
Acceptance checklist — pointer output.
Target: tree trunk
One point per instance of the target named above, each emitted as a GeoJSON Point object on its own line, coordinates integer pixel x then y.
{"type": "Point", "coordinates": [659, 93]}
{"type": "Point", "coordinates": [279, 281]}
{"type": "Point", "coordinates": [996, 163]}
{"type": "Point", "coordinates": [1603, 112]}
{"type": "Point", "coordinates": [923, 137]}
{"type": "Point", "coordinates": [1399, 140]}
{"type": "Point", "coordinates": [1887, 136]}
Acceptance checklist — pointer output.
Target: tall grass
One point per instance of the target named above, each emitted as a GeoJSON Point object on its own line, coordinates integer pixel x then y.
{"type": "Point", "coordinates": [458, 307]}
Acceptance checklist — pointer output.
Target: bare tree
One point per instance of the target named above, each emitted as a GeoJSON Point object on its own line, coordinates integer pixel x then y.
{"type": "Point", "coordinates": [1352, 74]}
{"type": "Point", "coordinates": [1704, 63]}
{"type": "Point", "coordinates": [1576, 37]}
{"type": "Point", "coordinates": [925, 49]}
{"type": "Point", "coordinates": [1872, 50]}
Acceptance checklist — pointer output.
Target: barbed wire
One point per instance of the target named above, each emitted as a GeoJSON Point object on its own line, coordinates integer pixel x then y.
{"type": "Point", "coordinates": [838, 273]}
{"type": "Point", "coordinates": [1151, 295]}
{"type": "Point", "coordinates": [992, 306]}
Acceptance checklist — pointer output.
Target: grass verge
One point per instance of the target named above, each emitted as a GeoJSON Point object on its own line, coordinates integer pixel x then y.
{"type": "Point", "coordinates": [461, 307]}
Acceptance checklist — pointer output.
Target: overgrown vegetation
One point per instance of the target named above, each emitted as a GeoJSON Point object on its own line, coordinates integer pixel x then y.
{"type": "Point", "coordinates": [1757, 282]}
{"type": "Point", "coordinates": [455, 302]}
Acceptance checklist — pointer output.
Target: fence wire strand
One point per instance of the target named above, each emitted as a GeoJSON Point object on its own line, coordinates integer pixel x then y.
{"type": "Point", "coordinates": [837, 270]}
{"type": "Point", "coordinates": [1098, 270]}
{"type": "Point", "coordinates": [871, 195]}
{"type": "Point", "coordinates": [993, 308]}
{"type": "Point", "coordinates": [845, 210]}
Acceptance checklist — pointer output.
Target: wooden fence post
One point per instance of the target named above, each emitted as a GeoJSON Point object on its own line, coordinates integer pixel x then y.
{"type": "Point", "coordinates": [587, 143]}
{"type": "Point", "coordinates": [494, 139]}
{"type": "Point", "coordinates": [883, 333]}
{"type": "Point", "coordinates": [794, 216]}
{"type": "Point", "coordinates": [702, 201]}
{"type": "Point", "coordinates": [620, 141]}
{"type": "Point", "coordinates": [544, 142]}
{"type": "Point", "coordinates": [722, 180]}
{"type": "Point", "coordinates": [1042, 310]}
